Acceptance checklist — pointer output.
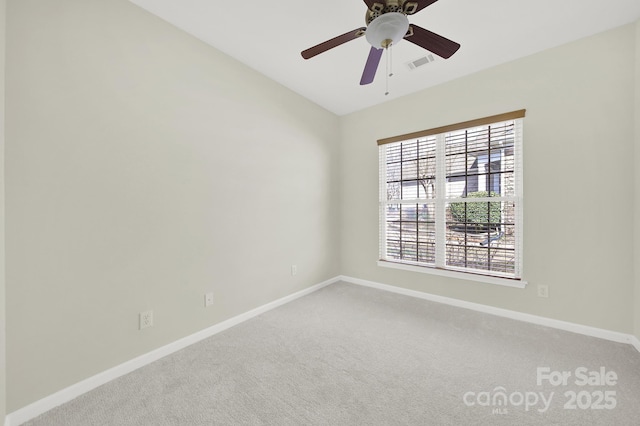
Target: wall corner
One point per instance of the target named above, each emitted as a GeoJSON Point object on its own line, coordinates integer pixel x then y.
{"type": "Point", "coordinates": [636, 192]}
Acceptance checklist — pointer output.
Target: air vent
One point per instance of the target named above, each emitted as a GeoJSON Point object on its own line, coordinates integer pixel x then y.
{"type": "Point", "coordinates": [421, 62]}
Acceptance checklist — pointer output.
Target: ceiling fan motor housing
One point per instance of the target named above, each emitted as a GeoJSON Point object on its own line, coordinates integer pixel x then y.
{"type": "Point", "coordinates": [407, 7]}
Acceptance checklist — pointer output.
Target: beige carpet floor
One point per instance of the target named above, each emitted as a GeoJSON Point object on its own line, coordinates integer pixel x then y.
{"type": "Point", "coordinates": [350, 355]}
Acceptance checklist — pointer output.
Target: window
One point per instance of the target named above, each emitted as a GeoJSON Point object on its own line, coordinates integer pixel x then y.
{"type": "Point", "coordinates": [451, 197]}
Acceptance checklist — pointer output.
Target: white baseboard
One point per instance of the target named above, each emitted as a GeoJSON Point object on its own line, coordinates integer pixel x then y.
{"type": "Point", "coordinates": [33, 410]}
{"type": "Point", "coordinates": [534, 319]}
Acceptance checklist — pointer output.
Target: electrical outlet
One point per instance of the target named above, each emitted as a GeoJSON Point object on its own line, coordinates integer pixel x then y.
{"type": "Point", "coordinates": [146, 319]}
{"type": "Point", "coordinates": [543, 290]}
{"type": "Point", "coordinates": [208, 300]}
{"type": "Point", "coordinates": [294, 270]}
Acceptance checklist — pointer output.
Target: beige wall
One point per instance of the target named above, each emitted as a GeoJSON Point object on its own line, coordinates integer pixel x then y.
{"type": "Point", "coordinates": [3, 392]}
{"type": "Point", "coordinates": [578, 177]}
{"type": "Point", "coordinates": [145, 168]}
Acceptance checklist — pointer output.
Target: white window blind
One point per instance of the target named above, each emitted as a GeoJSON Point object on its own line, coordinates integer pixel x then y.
{"type": "Point", "coordinates": [451, 198]}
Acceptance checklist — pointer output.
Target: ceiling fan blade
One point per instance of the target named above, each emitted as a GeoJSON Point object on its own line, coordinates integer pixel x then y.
{"type": "Point", "coordinates": [433, 42]}
{"type": "Point", "coordinates": [412, 7]}
{"type": "Point", "coordinates": [330, 44]}
{"type": "Point", "coordinates": [371, 66]}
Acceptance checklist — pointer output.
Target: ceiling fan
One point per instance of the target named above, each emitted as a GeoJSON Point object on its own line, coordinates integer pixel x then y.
{"type": "Point", "coordinates": [387, 24]}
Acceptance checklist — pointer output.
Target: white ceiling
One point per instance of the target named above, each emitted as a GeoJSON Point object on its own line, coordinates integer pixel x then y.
{"type": "Point", "coordinates": [268, 36]}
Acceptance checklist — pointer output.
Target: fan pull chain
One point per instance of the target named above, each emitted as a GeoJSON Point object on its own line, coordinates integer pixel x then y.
{"type": "Point", "coordinates": [389, 67]}
{"type": "Point", "coordinates": [387, 71]}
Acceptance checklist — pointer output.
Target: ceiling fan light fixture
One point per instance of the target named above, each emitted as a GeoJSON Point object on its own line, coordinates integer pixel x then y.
{"type": "Point", "coordinates": [387, 29]}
